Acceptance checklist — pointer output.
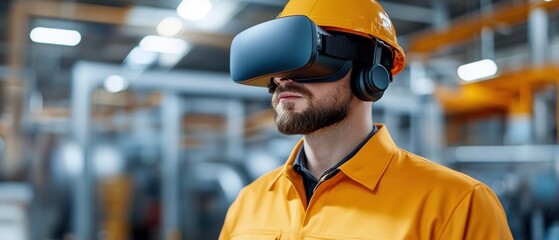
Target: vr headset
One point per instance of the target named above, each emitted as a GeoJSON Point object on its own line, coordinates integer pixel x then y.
{"type": "Point", "coordinates": [296, 48]}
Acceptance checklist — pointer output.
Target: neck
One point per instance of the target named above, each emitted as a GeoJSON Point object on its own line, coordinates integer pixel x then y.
{"type": "Point", "coordinates": [326, 147]}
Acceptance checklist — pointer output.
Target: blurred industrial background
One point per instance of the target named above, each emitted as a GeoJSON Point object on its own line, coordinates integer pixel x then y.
{"type": "Point", "coordinates": [118, 119]}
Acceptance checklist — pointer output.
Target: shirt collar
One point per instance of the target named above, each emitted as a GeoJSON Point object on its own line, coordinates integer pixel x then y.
{"type": "Point", "coordinates": [369, 164]}
{"type": "Point", "coordinates": [366, 167]}
{"type": "Point", "coordinates": [300, 163]}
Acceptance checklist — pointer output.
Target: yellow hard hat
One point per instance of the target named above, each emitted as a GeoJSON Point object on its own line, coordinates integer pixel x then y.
{"type": "Point", "coordinates": [362, 17]}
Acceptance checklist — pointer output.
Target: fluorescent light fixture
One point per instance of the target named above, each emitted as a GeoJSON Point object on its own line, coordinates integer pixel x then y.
{"type": "Point", "coordinates": [55, 36]}
{"type": "Point", "coordinates": [139, 58]}
{"type": "Point", "coordinates": [115, 83]}
{"type": "Point", "coordinates": [548, 0]}
{"type": "Point", "coordinates": [164, 44]}
{"type": "Point", "coordinates": [169, 26]}
{"type": "Point", "coordinates": [168, 60]}
{"type": "Point", "coordinates": [194, 10]}
{"type": "Point", "coordinates": [221, 14]}
{"type": "Point", "coordinates": [148, 17]}
{"type": "Point", "coordinates": [477, 70]}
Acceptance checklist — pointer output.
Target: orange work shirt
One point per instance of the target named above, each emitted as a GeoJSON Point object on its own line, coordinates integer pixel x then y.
{"type": "Point", "coordinates": [383, 192]}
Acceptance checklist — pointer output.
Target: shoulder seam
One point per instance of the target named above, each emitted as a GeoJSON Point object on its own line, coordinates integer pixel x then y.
{"type": "Point", "coordinates": [451, 216]}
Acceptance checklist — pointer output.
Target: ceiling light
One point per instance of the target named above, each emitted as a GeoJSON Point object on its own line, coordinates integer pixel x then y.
{"type": "Point", "coordinates": [548, 0]}
{"type": "Point", "coordinates": [168, 60]}
{"type": "Point", "coordinates": [194, 10]}
{"type": "Point", "coordinates": [221, 14]}
{"type": "Point", "coordinates": [55, 36]}
{"type": "Point", "coordinates": [169, 27]}
{"type": "Point", "coordinates": [477, 70]}
{"type": "Point", "coordinates": [164, 44]}
{"type": "Point", "coordinates": [115, 83]}
{"type": "Point", "coordinates": [139, 58]}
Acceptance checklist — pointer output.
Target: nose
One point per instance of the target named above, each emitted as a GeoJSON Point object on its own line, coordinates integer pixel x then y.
{"type": "Point", "coordinates": [278, 80]}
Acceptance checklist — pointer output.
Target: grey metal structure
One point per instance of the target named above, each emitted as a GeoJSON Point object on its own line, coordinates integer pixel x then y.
{"type": "Point", "coordinates": [169, 170]}
{"type": "Point", "coordinates": [538, 36]}
{"type": "Point", "coordinates": [88, 76]}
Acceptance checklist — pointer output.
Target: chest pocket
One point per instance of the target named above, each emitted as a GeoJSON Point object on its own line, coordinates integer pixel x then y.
{"type": "Point", "coordinates": [257, 235]}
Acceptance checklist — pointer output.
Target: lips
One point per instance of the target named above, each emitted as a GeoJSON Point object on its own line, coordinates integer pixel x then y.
{"type": "Point", "coordinates": [288, 95]}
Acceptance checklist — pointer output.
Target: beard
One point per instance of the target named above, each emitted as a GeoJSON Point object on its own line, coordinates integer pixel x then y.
{"type": "Point", "coordinates": [317, 115]}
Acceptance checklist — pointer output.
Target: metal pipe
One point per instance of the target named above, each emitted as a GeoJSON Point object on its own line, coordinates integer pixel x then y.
{"type": "Point", "coordinates": [235, 114]}
{"type": "Point", "coordinates": [170, 138]}
{"type": "Point", "coordinates": [538, 36]}
{"type": "Point", "coordinates": [487, 35]}
{"type": "Point", "coordinates": [83, 204]}
{"type": "Point", "coordinates": [193, 83]}
{"type": "Point", "coordinates": [487, 43]}
{"type": "Point", "coordinates": [440, 18]}
{"type": "Point", "coordinates": [429, 131]}
{"type": "Point", "coordinates": [542, 115]}
{"type": "Point", "coordinates": [503, 154]}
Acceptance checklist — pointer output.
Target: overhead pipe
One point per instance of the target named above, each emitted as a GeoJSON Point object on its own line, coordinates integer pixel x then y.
{"type": "Point", "coordinates": [503, 154]}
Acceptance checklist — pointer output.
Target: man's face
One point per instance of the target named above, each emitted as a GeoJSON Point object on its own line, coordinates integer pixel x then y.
{"type": "Point", "coordinates": [305, 108]}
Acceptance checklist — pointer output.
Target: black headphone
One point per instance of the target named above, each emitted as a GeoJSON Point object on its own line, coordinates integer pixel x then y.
{"type": "Point", "coordinates": [368, 83]}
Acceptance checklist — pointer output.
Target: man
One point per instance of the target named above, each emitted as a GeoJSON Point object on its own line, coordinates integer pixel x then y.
{"type": "Point", "coordinates": [346, 179]}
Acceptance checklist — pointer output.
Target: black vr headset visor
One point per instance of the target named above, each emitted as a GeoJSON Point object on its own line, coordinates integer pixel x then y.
{"type": "Point", "coordinates": [294, 48]}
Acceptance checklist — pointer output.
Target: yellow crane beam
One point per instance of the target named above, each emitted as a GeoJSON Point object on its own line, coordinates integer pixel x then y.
{"type": "Point", "coordinates": [465, 29]}
{"type": "Point", "coordinates": [507, 91]}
